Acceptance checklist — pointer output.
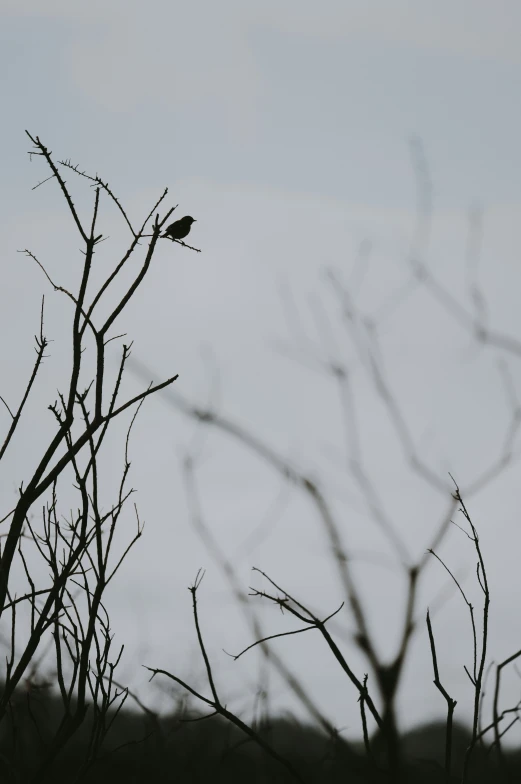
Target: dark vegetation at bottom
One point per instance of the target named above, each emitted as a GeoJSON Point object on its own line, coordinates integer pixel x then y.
{"type": "Point", "coordinates": [143, 749]}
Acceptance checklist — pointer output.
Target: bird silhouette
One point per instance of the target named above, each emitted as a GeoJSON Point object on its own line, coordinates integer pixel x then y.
{"type": "Point", "coordinates": [179, 229]}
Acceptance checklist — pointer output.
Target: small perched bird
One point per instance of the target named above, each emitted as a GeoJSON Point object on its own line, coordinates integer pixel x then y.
{"type": "Point", "coordinates": [179, 229]}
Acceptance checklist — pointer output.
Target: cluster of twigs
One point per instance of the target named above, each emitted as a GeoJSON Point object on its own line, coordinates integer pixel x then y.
{"type": "Point", "coordinates": [387, 674]}
{"type": "Point", "coordinates": [65, 618]}
{"type": "Point", "coordinates": [62, 618]}
{"type": "Point", "coordinates": [377, 690]}
{"type": "Point", "coordinates": [391, 766]}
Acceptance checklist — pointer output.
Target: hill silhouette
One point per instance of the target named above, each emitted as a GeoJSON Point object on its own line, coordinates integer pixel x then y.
{"type": "Point", "coordinates": [179, 747]}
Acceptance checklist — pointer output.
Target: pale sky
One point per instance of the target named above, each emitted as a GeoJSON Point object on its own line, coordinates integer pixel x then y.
{"type": "Point", "coordinates": [284, 128]}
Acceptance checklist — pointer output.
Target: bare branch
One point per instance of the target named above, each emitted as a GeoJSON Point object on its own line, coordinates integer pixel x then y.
{"type": "Point", "coordinates": [451, 704]}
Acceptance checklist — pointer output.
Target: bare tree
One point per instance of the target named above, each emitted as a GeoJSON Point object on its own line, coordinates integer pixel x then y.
{"type": "Point", "coordinates": [378, 689]}
{"type": "Point", "coordinates": [62, 618]}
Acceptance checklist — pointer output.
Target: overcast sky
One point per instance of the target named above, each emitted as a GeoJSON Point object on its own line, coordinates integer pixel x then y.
{"type": "Point", "coordinates": [284, 128]}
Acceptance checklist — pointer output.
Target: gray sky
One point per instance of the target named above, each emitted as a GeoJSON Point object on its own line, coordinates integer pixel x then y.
{"type": "Point", "coordinates": [282, 127]}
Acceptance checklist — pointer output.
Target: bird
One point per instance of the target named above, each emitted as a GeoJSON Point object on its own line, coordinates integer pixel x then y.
{"type": "Point", "coordinates": [179, 229]}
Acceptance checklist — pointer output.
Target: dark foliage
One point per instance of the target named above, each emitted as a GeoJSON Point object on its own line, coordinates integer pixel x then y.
{"type": "Point", "coordinates": [143, 749]}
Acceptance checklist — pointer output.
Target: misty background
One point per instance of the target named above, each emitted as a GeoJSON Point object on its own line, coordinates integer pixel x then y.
{"type": "Point", "coordinates": [284, 129]}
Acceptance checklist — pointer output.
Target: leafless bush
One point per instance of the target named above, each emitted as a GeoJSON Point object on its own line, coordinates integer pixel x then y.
{"type": "Point", "coordinates": [62, 618]}
{"type": "Point", "coordinates": [377, 689]}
